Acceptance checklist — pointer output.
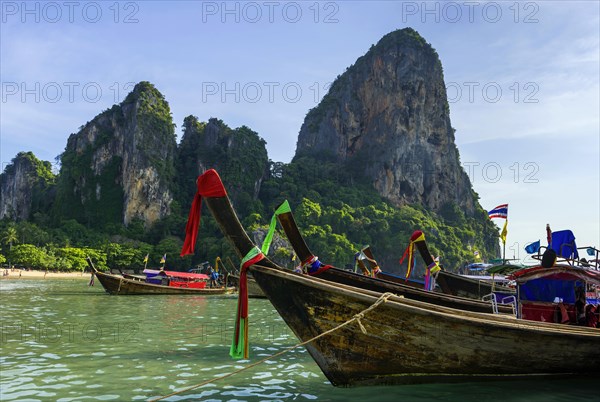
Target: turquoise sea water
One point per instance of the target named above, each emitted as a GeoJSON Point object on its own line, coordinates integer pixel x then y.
{"type": "Point", "coordinates": [63, 341]}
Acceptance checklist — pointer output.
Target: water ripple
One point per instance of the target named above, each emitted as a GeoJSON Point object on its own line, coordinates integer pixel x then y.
{"type": "Point", "coordinates": [67, 342]}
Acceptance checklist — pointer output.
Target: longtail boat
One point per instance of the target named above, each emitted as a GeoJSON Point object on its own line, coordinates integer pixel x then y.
{"type": "Point", "coordinates": [369, 266]}
{"type": "Point", "coordinates": [557, 294]}
{"type": "Point", "coordinates": [380, 283]}
{"type": "Point", "coordinates": [225, 216]}
{"type": "Point", "coordinates": [457, 285]}
{"type": "Point", "coordinates": [171, 283]}
{"type": "Point", "coordinates": [401, 340]}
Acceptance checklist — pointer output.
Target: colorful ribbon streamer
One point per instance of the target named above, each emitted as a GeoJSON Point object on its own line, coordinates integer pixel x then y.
{"type": "Point", "coordinates": [239, 345]}
{"type": "Point", "coordinates": [209, 184]}
{"type": "Point", "coordinates": [314, 266]}
{"type": "Point", "coordinates": [410, 252]}
{"type": "Point", "coordinates": [282, 209]}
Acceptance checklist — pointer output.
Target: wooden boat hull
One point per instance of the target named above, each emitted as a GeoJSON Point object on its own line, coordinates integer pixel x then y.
{"type": "Point", "coordinates": [119, 285]}
{"type": "Point", "coordinates": [454, 284]}
{"type": "Point", "coordinates": [412, 342]}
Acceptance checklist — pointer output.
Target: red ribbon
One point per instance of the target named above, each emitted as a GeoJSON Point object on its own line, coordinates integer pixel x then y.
{"type": "Point", "coordinates": [244, 284]}
{"type": "Point", "coordinates": [209, 185]}
{"type": "Point", "coordinates": [410, 250]}
{"type": "Point", "coordinates": [242, 307]}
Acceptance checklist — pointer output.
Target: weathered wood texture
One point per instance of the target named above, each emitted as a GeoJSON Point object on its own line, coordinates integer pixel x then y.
{"type": "Point", "coordinates": [412, 342]}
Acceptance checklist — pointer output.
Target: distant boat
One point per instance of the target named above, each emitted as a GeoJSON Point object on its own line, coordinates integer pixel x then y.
{"type": "Point", "coordinates": [164, 282]}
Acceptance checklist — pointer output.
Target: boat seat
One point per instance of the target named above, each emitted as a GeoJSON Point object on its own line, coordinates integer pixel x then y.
{"type": "Point", "coordinates": [491, 297]}
{"type": "Point", "coordinates": [505, 301]}
{"type": "Point", "coordinates": [512, 301]}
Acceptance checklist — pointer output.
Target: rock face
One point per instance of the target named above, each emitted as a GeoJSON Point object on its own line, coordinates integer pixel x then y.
{"type": "Point", "coordinates": [387, 118]}
{"type": "Point", "coordinates": [281, 250]}
{"type": "Point", "coordinates": [119, 166]}
{"type": "Point", "coordinates": [239, 155]}
{"type": "Point", "coordinates": [25, 186]}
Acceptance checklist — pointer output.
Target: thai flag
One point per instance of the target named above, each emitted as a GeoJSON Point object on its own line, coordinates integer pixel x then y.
{"type": "Point", "coordinates": [501, 211]}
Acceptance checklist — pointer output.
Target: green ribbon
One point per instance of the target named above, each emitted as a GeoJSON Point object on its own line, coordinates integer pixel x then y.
{"type": "Point", "coordinates": [253, 253]}
{"type": "Point", "coordinates": [239, 346]}
{"type": "Point", "coordinates": [282, 209]}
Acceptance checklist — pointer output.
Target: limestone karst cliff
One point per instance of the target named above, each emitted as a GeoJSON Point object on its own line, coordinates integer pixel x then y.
{"type": "Point", "coordinates": [119, 166]}
{"type": "Point", "coordinates": [375, 160]}
{"type": "Point", "coordinates": [239, 155]}
{"type": "Point", "coordinates": [26, 186]}
{"type": "Point", "coordinates": [387, 118]}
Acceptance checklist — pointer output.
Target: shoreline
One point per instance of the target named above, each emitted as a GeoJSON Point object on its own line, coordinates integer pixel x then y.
{"type": "Point", "coordinates": [37, 274]}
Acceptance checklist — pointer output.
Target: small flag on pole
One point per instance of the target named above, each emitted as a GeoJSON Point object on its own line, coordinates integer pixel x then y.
{"type": "Point", "coordinates": [146, 258]}
{"type": "Point", "coordinates": [532, 248]}
{"type": "Point", "coordinates": [504, 232]}
{"type": "Point", "coordinates": [163, 259]}
{"type": "Point", "coordinates": [501, 211]}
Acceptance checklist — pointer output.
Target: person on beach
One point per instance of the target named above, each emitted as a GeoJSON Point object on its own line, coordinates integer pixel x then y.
{"type": "Point", "coordinates": [214, 278]}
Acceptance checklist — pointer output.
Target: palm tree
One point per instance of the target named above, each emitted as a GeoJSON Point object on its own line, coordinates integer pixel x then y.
{"type": "Point", "coordinates": [10, 236]}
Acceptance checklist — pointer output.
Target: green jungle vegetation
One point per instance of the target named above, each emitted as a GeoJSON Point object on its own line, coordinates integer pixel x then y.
{"type": "Point", "coordinates": [336, 212]}
{"type": "Point", "coordinates": [337, 209]}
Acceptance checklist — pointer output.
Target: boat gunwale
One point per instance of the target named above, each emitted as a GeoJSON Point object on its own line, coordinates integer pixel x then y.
{"type": "Point", "coordinates": [429, 308]}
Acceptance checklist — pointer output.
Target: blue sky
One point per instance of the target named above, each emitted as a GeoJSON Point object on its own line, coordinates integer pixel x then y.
{"type": "Point", "coordinates": [523, 82]}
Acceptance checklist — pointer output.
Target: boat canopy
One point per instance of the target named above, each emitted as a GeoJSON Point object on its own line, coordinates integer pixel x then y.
{"type": "Point", "coordinates": [563, 243]}
{"type": "Point", "coordinates": [478, 266]}
{"type": "Point", "coordinates": [176, 274]}
{"type": "Point", "coordinates": [546, 284]}
{"type": "Point", "coordinates": [558, 272]}
{"type": "Point", "coordinates": [505, 269]}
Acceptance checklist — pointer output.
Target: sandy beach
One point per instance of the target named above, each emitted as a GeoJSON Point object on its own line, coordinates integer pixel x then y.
{"type": "Point", "coordinates": [35, 274]}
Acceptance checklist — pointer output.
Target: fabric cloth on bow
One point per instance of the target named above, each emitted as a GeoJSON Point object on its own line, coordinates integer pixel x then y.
{"type": "Point", "coordinates": [432, 269]}
{"type": "Point", "coordinates": [239, 345]}
{"type": "Point", "coordinates": [314, 267]}
{"type": "Point", "coordinates": [209, 184]}
{"type": "Point", "coordinates": [282, 209]}
{"type": "Point", "coordinates": [410, 252]}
